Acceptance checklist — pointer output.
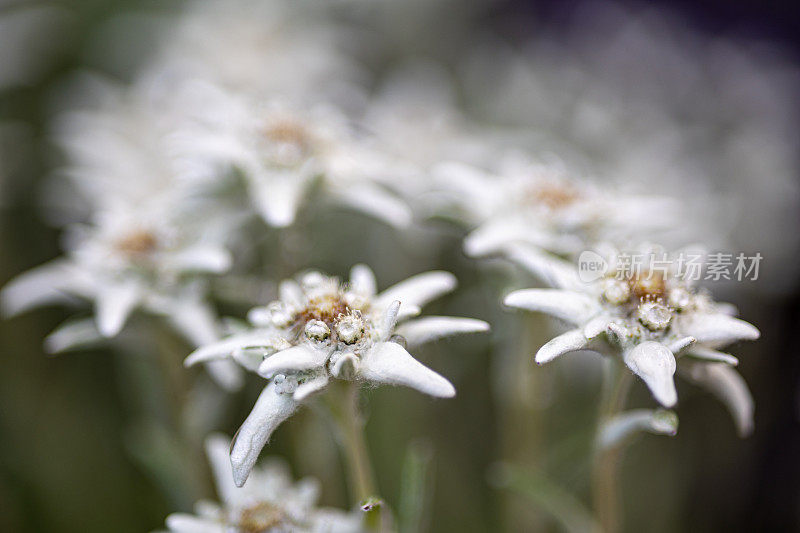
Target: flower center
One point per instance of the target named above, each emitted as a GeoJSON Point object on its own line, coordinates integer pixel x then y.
{"type": "Point", "coordinates": [332, 313]}
{"type": "Point", "coordinates": [325, 308]}
{"type": "Point", "coordinates": [350, 327]}
{"type": "Point", "coordinates": [654, 316]}
{"type": "Point", "coordinates": [286, 131]}
{"type": "Point", "coordinates": [553, 195]}
{"type": "Point", "coordinates": [643, 287]}
{"type": "Point", "coordinates": [290, 140]}
{"type": "Point", "coordinates": [648, 286]}
{"type": "Point", "coordinates": [261, 518]}
{"type": "Point", "coordinates": [138, 243]}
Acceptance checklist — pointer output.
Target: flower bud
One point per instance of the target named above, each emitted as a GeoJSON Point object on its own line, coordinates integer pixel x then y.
{"type": "Point", "coordinates": [317, 330]}
{"type": "Point", "coordinates": [279, 315]}
{"type": "Point", "coordinates": [350, 328]}
{"type": "Point", "coordinates": [679, 298]}
{"type": "Point", "coordinates": [616, 291]}
{"type": "Point", "coordinates": [312, 280]}
{"type": "Point", "coordinates": [654, 316]}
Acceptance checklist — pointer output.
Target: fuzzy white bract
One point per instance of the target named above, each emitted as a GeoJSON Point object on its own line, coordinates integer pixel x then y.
{"type": "Point", "coordinates": [321, 330]}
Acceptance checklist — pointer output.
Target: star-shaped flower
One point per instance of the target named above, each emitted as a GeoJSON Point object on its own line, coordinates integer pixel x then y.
{"type": "Point", "coordinates": [651, 320]}
{"type": "Point", "coordinates": [282, 149]}
{"type": "Point", "coordinates": [125, 261]}
{"type": "Point", "coordinates": [130, 259]}
{"type": "Point", "coordinates": [542, 205]}
{"type": "Point", "coordinates": [320, 330]}
{"type": "Point", "coordinates": [270, 501]}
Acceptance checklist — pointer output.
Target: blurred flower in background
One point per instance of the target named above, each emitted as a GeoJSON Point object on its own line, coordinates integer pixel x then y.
{"type": "Point", "coordinates": [270, 501]}
{"type": "Point", "coordinates": [170, 164]}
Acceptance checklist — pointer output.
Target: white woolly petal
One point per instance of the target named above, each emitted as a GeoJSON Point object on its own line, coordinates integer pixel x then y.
{"type": "Point", "coordinates": [389, 320]}
{"type": "Point", "coordinates": [553, 271]}
{"type": "Point", "coordinates": [186, 523]}
{"type": "Point", "coordinates": [716, 330]}
{"type": "Point", "coordinates": [655, 364]}
{"type": "Point", "coordinates": [306, 491]}
{"type": "Point", "coordinates": [225, 347]}
{"type": "Point", "coordinates": [493, 236]}
{"type": "Point", "coordinates": [390, 363]}
{"type": "Point", "coordinates": [290, 293]}
{"type": "Point", "coordinates": [310, 387]}
{"type": "Point", "coordinates": [201, 258]}
{"type": "Point", "coordinates": [470, 184]}
{"type": "Point", "coordinates": [195, 320]}
{"type": "Point", "coordinates": [681, 344]}
{"type": "Point", "coordinates": [270, 481]}
{"type": "Point", "coordinates": [597, 326]}
{"type": "Point", "coordinates": [42, 285]}
{"type": "Point", "coordinates": [362, 280]}
{"type": "Point", "coordinates": [226, 374]}
{"type": "Point", "coordinates": [71, 335]}
{"type": "Point", "coordinates": [617, 429]}
{"type": "Point", "coordinates": [707, 354]}
{"type": "Point", "coordinates": [270, 410]}
{"type": "Point", "coordinates": [251, 357]}
{"type": "Point", "coordinates": [210, 510]}
{"type": "Point", "coordinates": [376, 202]}
{"type": "Point", "coordinates": [729, 387]}
{"type": "Point", "coordinates": [407, 311]}
{"type": "Point", "coordinates": [218, 451]}
{"type": "Point", "coordinates": [571, 341]}
{"type": "Point", "coordinates": [726, 308]}
{"type": "Point", "coordinates": [345, 366]}
{"type": "Point", "coordinates": [294, 359]}
{"type": "Point", "coordinates": [571, 306]}
{"type": "Point", "coordinates": [418, 290]}
{"type": "Point", "coordinates": [337, 521]}
{"type": "Point", "coordinates": [278, 197]}
{"type": "Point", "coordinates": [113, 306]}
{"type": "Point", "coordinates": [431, 328]}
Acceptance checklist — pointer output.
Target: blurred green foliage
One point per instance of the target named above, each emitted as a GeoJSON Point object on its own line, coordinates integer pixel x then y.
{"type": "Point", "coordinates": [78, 442]}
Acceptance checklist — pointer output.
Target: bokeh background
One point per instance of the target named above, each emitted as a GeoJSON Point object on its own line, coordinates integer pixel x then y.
{"type": "Point", "coordinates": [80, 444]}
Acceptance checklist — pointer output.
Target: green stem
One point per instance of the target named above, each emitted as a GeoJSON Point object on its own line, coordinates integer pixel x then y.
{"type": "Point", "coordinates": [605, 470]}
{"type": "Point", "coordinates": [362, 485]}
{"type": "Point", "coordinates": [522, 417]}
{"type": "Point", "coordinates": [361, 480]}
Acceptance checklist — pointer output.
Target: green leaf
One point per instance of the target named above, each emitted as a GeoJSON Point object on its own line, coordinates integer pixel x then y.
{"type": "Point", "coordinates": [562, 506]}
{"type": "Point", "coordinates": [618, 429]}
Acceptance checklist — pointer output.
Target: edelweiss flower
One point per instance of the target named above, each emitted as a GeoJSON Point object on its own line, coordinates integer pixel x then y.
{"type": "Point", "coordinates": [281, 150]}
{"type": "Point", "coordinates": [270, 501]}
{"type": "Point", "coordinates": [127, 260]}
{"type": "Point", "coordinates": [319, 330]}
{"type": "Point", "coordinates": [647, 319]}
{"type": "Point", "coordinates": [539, 204]}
